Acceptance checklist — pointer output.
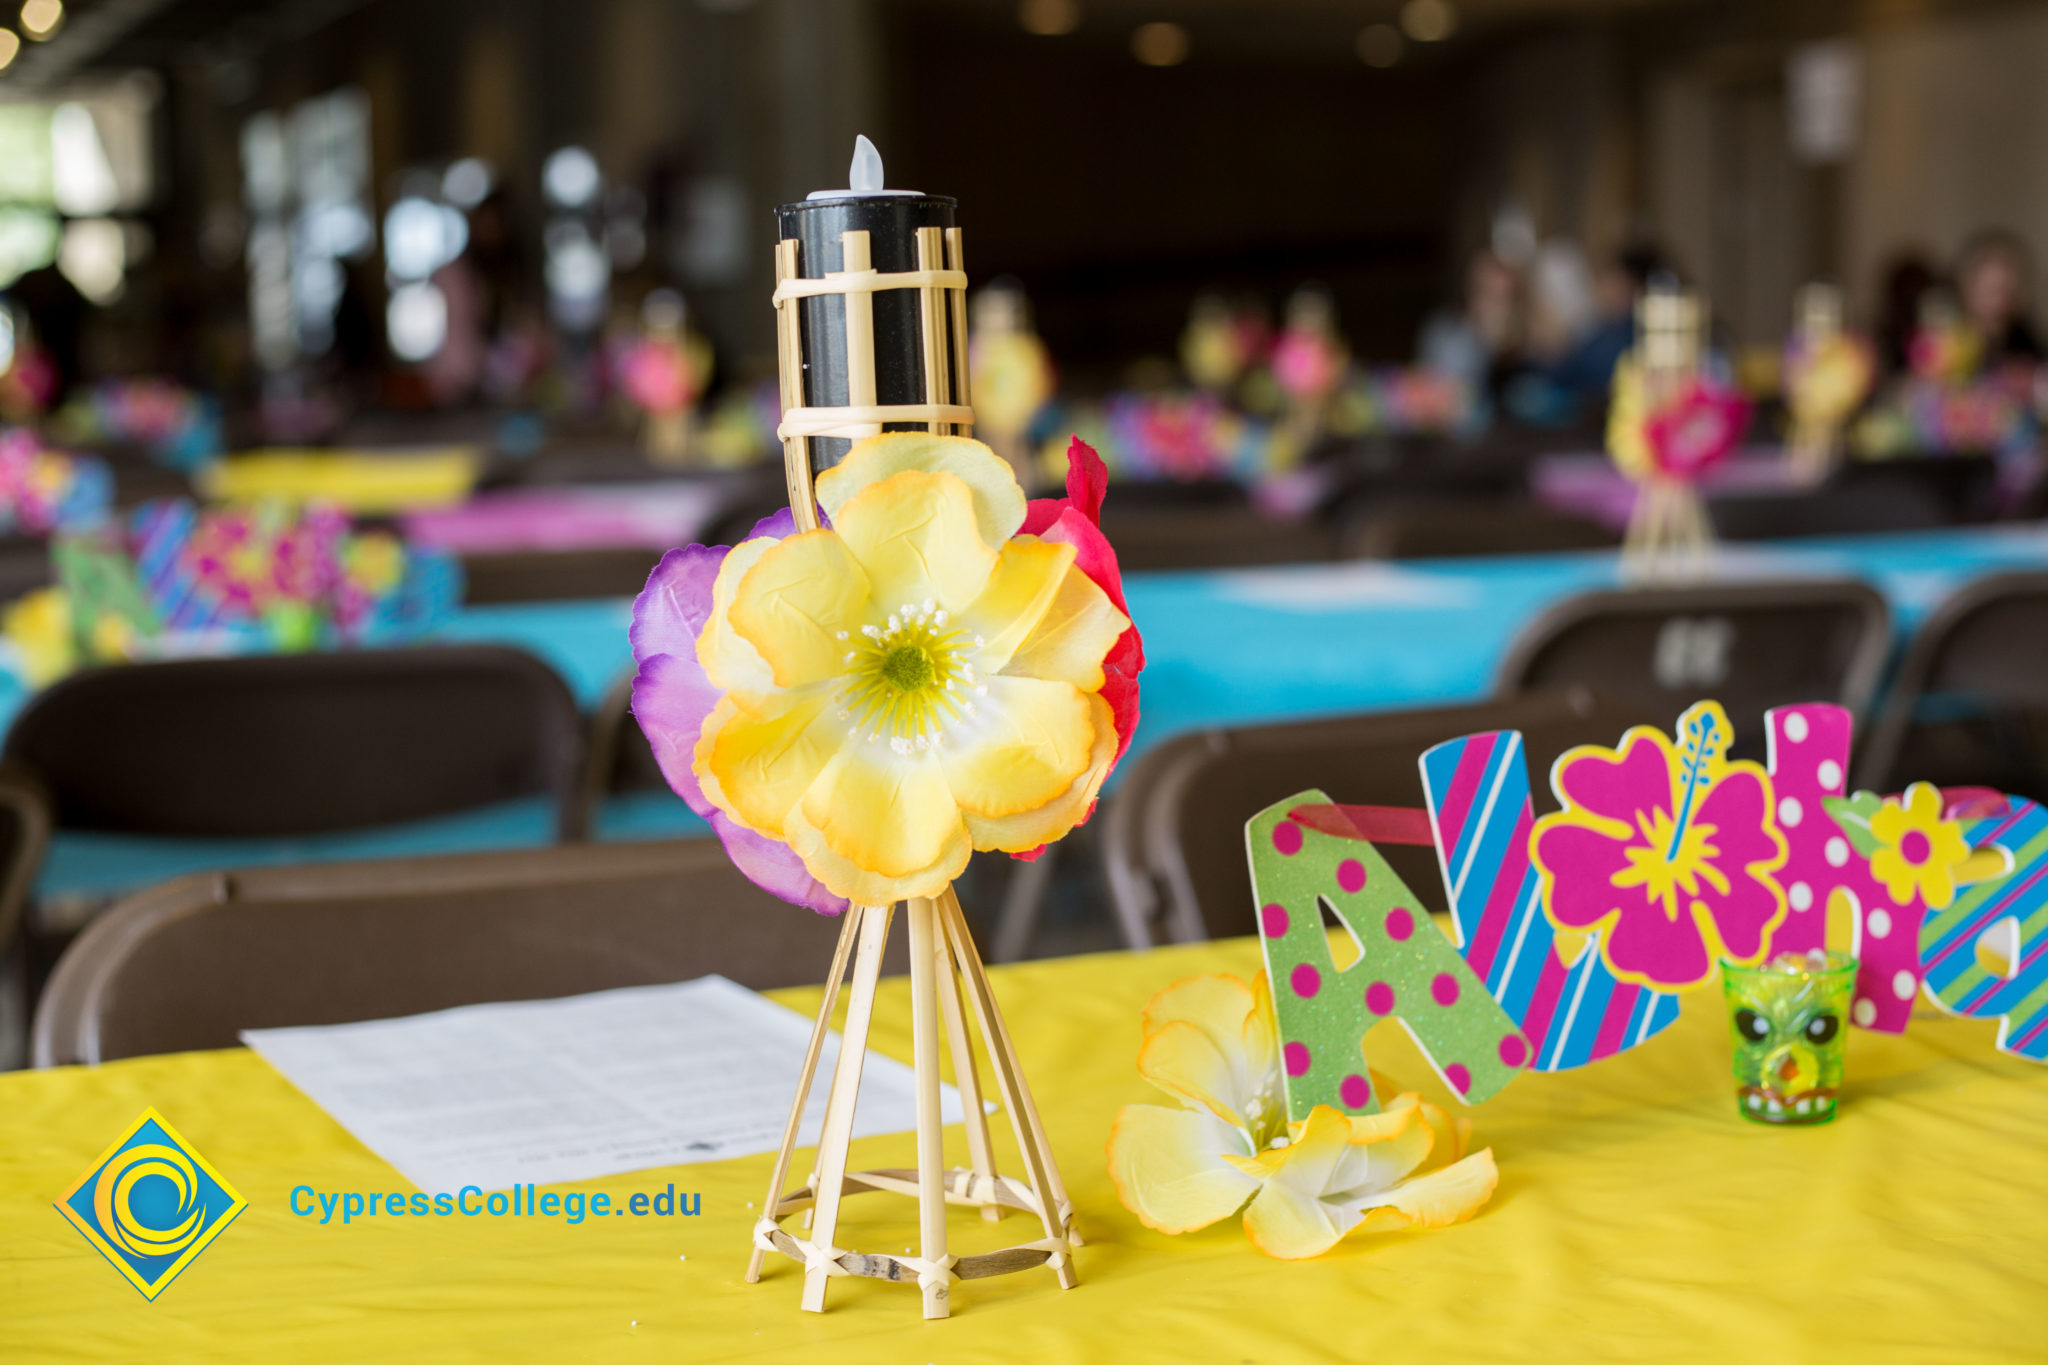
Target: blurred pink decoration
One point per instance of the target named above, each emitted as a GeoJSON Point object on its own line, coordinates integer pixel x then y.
{"type": "Point", "coordinates": [1696, 430]}
{"type": "Point", "coordinates": [29, 384]}
{"type": "Point", "coordinates": [657, 375]}
{"type": "Point", "coordinates": [655, 516]}
{"type": "Point", "coordinates": [1306, 363]}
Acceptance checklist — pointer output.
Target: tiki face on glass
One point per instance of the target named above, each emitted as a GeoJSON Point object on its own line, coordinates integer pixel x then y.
{"type": "Point", "coordinates": [1789, 1019]}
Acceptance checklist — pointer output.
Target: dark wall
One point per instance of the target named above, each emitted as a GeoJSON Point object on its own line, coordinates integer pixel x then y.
{"type": "Point", "coordinates": [1087, 176]}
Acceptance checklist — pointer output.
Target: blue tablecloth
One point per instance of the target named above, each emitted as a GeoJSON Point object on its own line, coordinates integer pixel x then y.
{"type": "Point", "coordinates": [1224, 646]}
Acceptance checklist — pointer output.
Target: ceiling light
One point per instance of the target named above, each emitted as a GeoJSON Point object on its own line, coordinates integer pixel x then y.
{"type": "Point", "coordinates": [570, 177]}
{"type": "Point", "coordinates": [10, 47]}
{"type": "Point", "coordinates": [1429, 21]}
{"type": "Point", "coordinates": [1160, 44]}
{"type": "Point", "coordinates": [1379, 45]}
{"type": "Point", "coordinates": [40, 18]}
{"type": "Point", "coordinates": [1049, 18]}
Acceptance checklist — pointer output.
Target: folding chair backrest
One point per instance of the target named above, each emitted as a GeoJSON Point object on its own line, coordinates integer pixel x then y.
{"type": "Point", "coordinates": [618, 760]}
{"type": "Point", "coordinates": [1750, 646]}
{"type": "Point", "coordinates": [284, 745]}
{"type": "Point", "coordinates": [1827, 512]}
{"type": "Point", "coordinates": [191, 962]}
{"type": "Point", "coordinates": [1198, 536]}
{"type": "Point", "coordinates": [24, 839]}
{"type": "Point", "coordinates": [1174, 835]}
{"type": "Point", "coordinates": [1969, 706]}
{"type": "Point", "coordinates": [1463, 528]}
{"type": "Point", "coordinates": [24, 565]}
{"type": "Point", "coordinates": [1867, 496]}
{"type": "Point", "coordinates": [556, 575]}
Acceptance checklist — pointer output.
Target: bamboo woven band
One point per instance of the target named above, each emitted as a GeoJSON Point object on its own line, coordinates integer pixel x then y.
{"type": "Point", "coordinates": [1056, 1249]}
{"type": "Point", "coordinates": [854, 423]}
{"type": "Point", "coordinates": [930, 1273]}
{"type": "Point", "coordinates": [821, 1258]}
{"type": "Point", "coordinates": [868, 282]}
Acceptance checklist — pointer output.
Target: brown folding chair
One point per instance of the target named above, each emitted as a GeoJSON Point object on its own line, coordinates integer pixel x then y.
{"type": "Point", "coordinates": [190, 963]}
{"type": "Point", "coordinates": [1969, 705]}
{"type": "Point", "coordinates": [24, 838]}
{"type": "Point", "coordinates": [1749, 646]}
{"type": "Point", "coordinates": [556, 575]}
{"type": "Point", "coordinates": [288, 745]}
{"type": "Point", "coordinates": [1868, 509]}
{"type": "Point", "coordinates": [24, 565]}
{"type": "Point", "coordinates": [25, 824]}
{"type": "Point", "coordinates": [618, 759]}
{"type": "Point", "coordinates": [1173, 837]}
{"type": "Point", "coordinates": [1199, 536]}
{"type": "Point", "coordinates": [1466, 527]}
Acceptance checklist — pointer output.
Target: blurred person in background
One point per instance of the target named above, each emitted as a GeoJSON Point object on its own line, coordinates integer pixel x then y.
{"type": "Point", "coordinates": [1572, 385]}
{"type": "Point", "coordinates": [1907, 281]}
{"type": "Point", "coordinates": [1563, 303]}
{"type": "Point", "coordinates": [358, 337]}
{"type": "Point", "coordinates": [481, 287]}
{"type": "Point", "coordinates": [1480, 343]}
{"type": "Point", "coordinates": [1993, 281]}
{"type": "Point", "coordinates": [56, 318]}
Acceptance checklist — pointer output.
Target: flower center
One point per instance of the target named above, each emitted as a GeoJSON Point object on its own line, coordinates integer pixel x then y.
{"type": "Point", "coordinates": [908, 679]}
{"type": "Point", "coordinates": [1670, 862]}
{"type": "Point", "coordinates": [909, 667]}
{"type": "Point", "coordinates": [1914, 846]}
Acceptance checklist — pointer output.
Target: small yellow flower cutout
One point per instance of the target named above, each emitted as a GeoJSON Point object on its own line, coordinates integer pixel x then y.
{"type": "Point", "coordinates": [1918, 851]}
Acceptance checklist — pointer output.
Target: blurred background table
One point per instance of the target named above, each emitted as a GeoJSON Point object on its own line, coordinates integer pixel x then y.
{"type": "Point", "coordinates": [1222, 647]}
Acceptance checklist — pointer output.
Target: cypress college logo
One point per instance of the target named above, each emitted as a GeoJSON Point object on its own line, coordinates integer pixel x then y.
{"type": "Point", "coordinates": [151, 1204]}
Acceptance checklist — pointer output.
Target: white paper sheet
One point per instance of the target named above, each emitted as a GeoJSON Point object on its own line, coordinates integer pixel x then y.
{"type": "Point", "coordinates": [541, 1091]}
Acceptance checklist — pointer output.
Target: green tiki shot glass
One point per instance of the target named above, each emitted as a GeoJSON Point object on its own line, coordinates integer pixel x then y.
{"type": "Point", "coordinates": [1790, 1021]}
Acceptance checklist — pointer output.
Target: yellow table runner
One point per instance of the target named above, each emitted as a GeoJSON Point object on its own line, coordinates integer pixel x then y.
{"type": "Point", "coordinates": [1637, 1219]}
{"type": "Point", "coordinates": [365, 482]}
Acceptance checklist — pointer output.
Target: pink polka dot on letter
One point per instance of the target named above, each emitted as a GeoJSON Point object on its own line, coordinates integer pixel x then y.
{"type": "Point", "coordinates": [1444, 990]}
{"type": "Point", "coordinates": [1400, 924]}
{"type": "Point", "coordinates": [1379, 998]}
{"type": "Point", "coordinates": [1273, 919]}
{"type": "Point", "coordinates": [1354, 1092]}
{"type": "Point", "coordinates": [1306, 980]}
{"type": "Point", "coordinates": [1287, 838]}
{"type": "Point", "coordinates": [1351, 875]}
{"type": "Point", "coordinates": [1513, 1051]}
{"type": "Point", "coordinates": [1297, 1058]}
{"type": "Point", "coordinates": [1459, 1077]}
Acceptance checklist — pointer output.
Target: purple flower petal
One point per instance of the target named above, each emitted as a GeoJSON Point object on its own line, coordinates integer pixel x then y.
{"type": "Point", "coordinates": [671, 610]}
{"type": "Point", "coordinates": [672, 695]}
{"type": "Point", "coordinates": [780, 524]}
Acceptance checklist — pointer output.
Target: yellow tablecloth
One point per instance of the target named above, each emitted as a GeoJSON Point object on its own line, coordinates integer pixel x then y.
{"type": "Point", "coordinates": [1637, 1219]}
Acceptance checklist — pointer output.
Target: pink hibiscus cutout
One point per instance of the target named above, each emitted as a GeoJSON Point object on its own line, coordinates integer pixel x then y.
{"type": "Point", "coordinates": [1668, 849]}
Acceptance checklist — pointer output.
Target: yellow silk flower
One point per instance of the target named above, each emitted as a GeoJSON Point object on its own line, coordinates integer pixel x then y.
{"type": "Point", "coordinates": [915, 682]}
{"type": "Point", "coordinates": [1210, 1043]}
{"type": "Point", "coordinates": [1628, 411]}
{"type": "Point", "coordinates": [38, 626]}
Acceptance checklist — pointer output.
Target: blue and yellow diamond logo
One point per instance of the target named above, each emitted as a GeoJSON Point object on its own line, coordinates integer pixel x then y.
{"type": "Point", "coordinates": [151, 1204]}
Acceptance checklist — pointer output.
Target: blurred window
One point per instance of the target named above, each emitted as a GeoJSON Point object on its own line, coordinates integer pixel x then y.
{"type": "Point", "coordinates": [68, 165]}
{"type": "Point", "coordinates": [305, 183]}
